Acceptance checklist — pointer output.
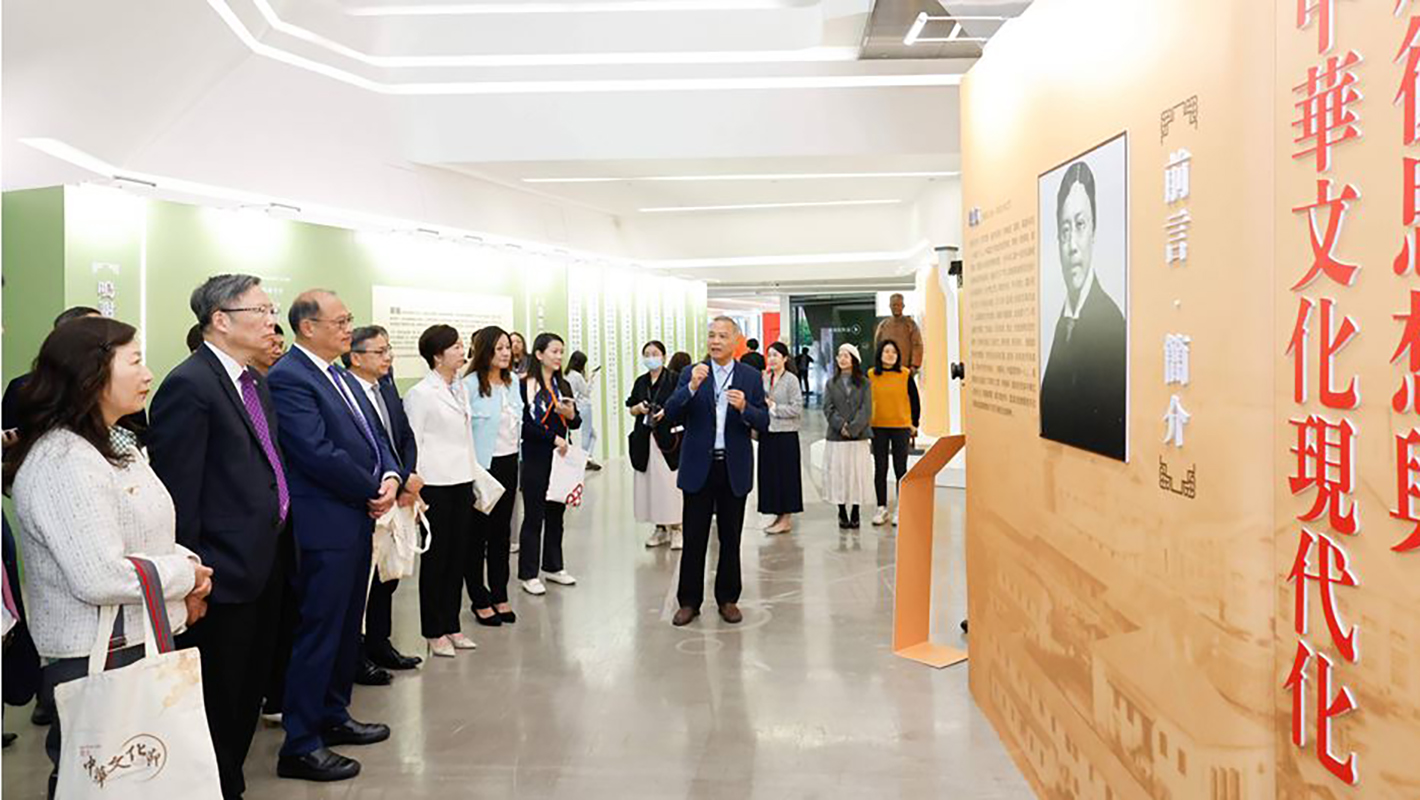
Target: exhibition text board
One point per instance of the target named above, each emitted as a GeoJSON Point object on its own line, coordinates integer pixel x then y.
{"type": "Point", "coordinates": [139, 259]}
{"type": "Point", "coordinates": [1192, 606]}
{"type": "Point", "coordinates": [1117, 178]}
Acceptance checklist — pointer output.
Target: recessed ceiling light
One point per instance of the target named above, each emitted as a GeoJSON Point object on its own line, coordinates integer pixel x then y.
{"type": "Point", "coordinates": [624, 6]}
{"type": "Point", "coordinates": [914, 34]}
{"type": "Point", "coordinates": [512, 87]}
{"type": "Point", "coordinates": [763, 206]}
{"type": "Point", "coordinates": [787, 176]}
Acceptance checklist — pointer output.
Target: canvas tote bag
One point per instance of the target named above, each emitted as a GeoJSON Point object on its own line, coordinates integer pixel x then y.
{"type": "Point", "coordinates": [138, 732]}
{"type": "Point", "coordinates": [396, 544]}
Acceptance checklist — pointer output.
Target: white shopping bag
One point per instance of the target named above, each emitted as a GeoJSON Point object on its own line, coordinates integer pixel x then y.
{"type": "Point", "coordinates": [138, 732]}
{"type": "Point", "coordinates": [487, 491]}
{"type": "Point", "coordinates": [569, 474]}
{"type": "Point", "coordinates": [396, 545]}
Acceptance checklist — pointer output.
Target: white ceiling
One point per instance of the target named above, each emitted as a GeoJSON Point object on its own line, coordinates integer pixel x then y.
{"type": "Point", "coordinates": [439, 110]}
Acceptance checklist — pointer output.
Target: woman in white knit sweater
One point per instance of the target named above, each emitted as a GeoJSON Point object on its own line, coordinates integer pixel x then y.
{"type": "Point", "coordinates": [86, 499]}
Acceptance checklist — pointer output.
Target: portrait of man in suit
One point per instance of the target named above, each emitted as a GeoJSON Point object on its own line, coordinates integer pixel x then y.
{"type": "Point", "coordinates": [1084, 328]}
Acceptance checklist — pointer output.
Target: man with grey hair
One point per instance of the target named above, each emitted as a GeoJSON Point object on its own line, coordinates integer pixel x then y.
{"type": "Point", "coordinates": [343, 478]}
{"type": "Point", "coordinates": [719, 401]}
{"type": "Point", "coordinates": [213, 442]}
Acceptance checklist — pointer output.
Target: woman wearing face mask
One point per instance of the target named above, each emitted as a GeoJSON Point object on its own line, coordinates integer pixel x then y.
{"type": "Point", "coordinates": [438, 413]}
{"type": "Point", "coordinates": [549, 414]}
{"type": "Point", "coordinates": [781, 486]}
{"type": "Point", "coordinates": [655, 454]}
{"type": "Point", "coordinates": [848, 457]}
{"type": "Point", "coordinates": [496, 407]}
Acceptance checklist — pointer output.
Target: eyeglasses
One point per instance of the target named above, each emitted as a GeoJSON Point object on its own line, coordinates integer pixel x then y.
{"type": "Point", "coordinates": [347, 321]}
{"type": "Point", "coordinates": [383, 351]}
{"type": "Point", "coordinates": [267, 310]}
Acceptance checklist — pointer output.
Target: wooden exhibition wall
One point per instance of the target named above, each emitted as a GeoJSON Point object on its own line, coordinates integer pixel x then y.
{"type": "Point", "coordinates": [1121, 622]}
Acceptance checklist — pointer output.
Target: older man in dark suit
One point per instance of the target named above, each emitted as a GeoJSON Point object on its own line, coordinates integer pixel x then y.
{"type": "Point", "coordinates": [1083, 391]}
{"type": "Point", "coordinates": [343, 477]}
{"type": "Point", "coordinates": [369, 360]}
{"type": "Point", "coordinates": [719, 401]}
{"type": "Point", "coordinates": [212, 440]}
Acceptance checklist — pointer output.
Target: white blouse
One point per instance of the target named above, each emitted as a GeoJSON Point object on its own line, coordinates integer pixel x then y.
{"type": "Point", "coordinates": [510, 426]}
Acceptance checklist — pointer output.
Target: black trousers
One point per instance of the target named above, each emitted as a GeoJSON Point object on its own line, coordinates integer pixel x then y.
{"type": "Point", "coordinates": [379, 613]}
{"type": "Point", "coordinates": [63, 671]}
{"type": "Point", "coordinates": [541, 537]}
{"type": "Point", "coordinates": [287, 618]}
{"type": "Point", "coordinates": [238, 645]}
{"type": "Point", "coordinates": [885, 439]}
{"type": "Point", "coordinates": [493, 544]}
{"type": "Point", "coordinates": [441, 570]}
{"type": "Point", "coordinates": [717, 500]}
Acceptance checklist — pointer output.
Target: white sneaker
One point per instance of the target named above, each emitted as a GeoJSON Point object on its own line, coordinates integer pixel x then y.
{"type": "Point", "coordinates": [461, 642]}
{"type": "Point", "coordinates": [534, 586]}
{"type": "Point", "coordinates": [881, 517]}
{"type": "Point", "coordinates": [274, 720]}
{"type": "Point", "coordinates": [660, 537]}
{"type": "Point", "coordinates": [677, 538]}
{"type": "Point", "coordinates": [561, 578]}
{"type": "Point", "coordinates": [441, 647]}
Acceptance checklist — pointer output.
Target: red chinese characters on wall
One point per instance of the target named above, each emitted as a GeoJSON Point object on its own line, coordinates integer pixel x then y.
{"type": "Point", "coordinates": [1328, 119]}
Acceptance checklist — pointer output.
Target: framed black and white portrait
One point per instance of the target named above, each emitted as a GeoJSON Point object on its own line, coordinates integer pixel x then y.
{"type": "Point", "coordinates": [1083, 245]}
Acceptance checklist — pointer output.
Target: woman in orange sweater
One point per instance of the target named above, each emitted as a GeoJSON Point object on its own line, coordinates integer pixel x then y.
{"type": "Point", "coordinates": [897, 410]}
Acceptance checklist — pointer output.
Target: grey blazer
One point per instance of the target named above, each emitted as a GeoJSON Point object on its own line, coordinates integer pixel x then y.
{"type": "Point", "coordinates": [787, 416]}
{"type": "Point", "coordinates": [850, 405]}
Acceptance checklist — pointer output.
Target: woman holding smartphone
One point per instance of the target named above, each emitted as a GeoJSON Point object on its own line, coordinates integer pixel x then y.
{"type": "Point", "coordinates": [549, 416]}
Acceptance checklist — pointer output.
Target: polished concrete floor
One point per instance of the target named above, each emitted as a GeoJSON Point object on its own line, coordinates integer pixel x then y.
{"type": "Point", "coordinates": [593, 694]}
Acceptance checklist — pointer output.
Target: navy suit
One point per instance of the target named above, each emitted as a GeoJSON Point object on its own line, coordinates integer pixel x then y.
{"type": "Point", "coordinates": [334, 470]}
{"type": "Point", "coordinates": [715, 483]}
{"type": "Point", "coordinates": [379, 614]}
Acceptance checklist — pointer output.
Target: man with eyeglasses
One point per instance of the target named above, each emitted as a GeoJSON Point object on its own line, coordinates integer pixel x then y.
{"type": "Point", "coordinates": [343, 477]}
{"type": "Point", "coordinates": [369, 361]}
{"type": "Point", "coordinates": [213, 441]}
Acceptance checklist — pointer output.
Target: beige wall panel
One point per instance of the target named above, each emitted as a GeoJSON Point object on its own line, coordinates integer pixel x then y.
{"type": "Point", "coordinates": [1119, 631]}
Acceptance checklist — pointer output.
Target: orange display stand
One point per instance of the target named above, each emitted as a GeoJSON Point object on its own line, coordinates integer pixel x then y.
{"type": "Point", "coordinates": [912, 612]}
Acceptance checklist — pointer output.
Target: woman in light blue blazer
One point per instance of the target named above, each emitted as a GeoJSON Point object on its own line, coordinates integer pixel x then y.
{"type": "Point", "coordinates": [496, 408]}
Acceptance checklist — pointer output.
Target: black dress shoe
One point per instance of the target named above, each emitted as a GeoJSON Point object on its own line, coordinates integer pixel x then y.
{"type": "Point", "coordinates": [493, 621]}
{"type": "Point", "coordinates": [384, 655]}
{"type": "Point", "coordinates": [684, 616]}
{"type": "Point", "coordinates": [371, 675]}
{"type": "Point", "coordinates": [10, 738]}
{"type": "Point", "coordinates": [42, 715]}
{"type": "Point", "coordinates": [318, 765]}
{"type": "Point", "coordinates": [352, 732]}
{"type": "Point", "coordinates": [508, 617]}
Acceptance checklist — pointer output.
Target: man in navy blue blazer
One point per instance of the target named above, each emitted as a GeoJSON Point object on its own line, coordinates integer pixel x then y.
{"type": "Point", "coordinates": [343, 477]}
{"type": "Point", "coordinates": [719, 402]}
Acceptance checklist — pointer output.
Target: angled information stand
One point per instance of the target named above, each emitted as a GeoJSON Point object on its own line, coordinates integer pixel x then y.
{"type": "Point", "coordinates": [912, 613]}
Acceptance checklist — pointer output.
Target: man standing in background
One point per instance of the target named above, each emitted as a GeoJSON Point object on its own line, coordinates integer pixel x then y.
{"type": "Point", "coordinates": [369, 360]}
{"type": "Point", "coordinates": [213, 443]}
{"type": "Point", "coordinates": [903, 332]}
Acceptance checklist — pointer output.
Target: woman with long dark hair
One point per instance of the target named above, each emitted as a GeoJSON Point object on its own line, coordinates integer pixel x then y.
{"type": "Point", "coordinates": [896, 412]}
{"type": "Point", "coordinates": [847, 457]}
{"type": "Point", "coordinates": [86, 499]}
{"type": "Point", "coordinates": [583, 386]}
{"type": "Point", "coordinates": [654, 450]}
{"type": "Point", "coordinates": [496, 408]}
{"type": "Point", "coordinates": [781, 485]}
{"type": "Point", "coordinates": [438, 413]}
{"type": "Point", "coordinates": [549, 415]}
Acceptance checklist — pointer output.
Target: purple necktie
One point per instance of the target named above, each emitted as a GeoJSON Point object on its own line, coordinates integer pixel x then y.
{"type": "Point", "coordinates": [263, 434]}
{"type": "Point", "coordinates": [345, 394]}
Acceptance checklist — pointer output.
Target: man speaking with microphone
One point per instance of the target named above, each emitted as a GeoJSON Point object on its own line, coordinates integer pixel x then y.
{"type": "Point", "coordinates": [718, 401]}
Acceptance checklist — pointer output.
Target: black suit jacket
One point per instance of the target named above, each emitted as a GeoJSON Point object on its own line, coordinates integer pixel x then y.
{"type": "Point", "coordinates": [1082, 395]}
{"type": "Point", "coordinates": [402, 444]}
{"type": "Point", "coordinates": [754, 359]}
{"type": "Point", "coordinates": [203, 445]}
